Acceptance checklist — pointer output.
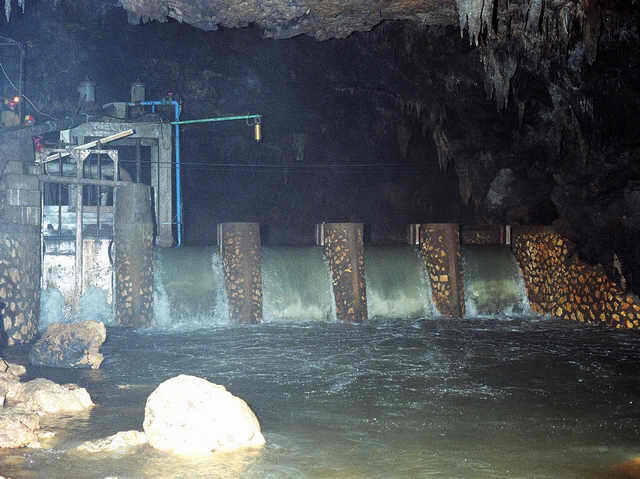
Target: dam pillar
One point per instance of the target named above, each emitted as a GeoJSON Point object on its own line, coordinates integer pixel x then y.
{"type": "Point", "coordinates": [440, 249]}
{"type": "Point", "coordinates": [344, 247]}
{"type": "Point", "coordinates": [20, 258]}
{"type": "Point", "coordinates": [241, 255]}
{"type": "Point", "coordinates": [133, 255]}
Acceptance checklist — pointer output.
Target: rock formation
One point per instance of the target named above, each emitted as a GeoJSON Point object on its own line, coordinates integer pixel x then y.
{"type": "Point", "coordinates": [23, 403]}
{"type": "Point", "coordinates": [121, 441]}
{"type": "Point", "coordinates": [188, 415]}
{"type": "Point", "coordinates": [529, 118]}
{"type": "Point", "coordinates": [73, 345]}
{"type": "Point", "coordinates": [43, 396]}
{"type": "Point", "coordinates": [18, 428]}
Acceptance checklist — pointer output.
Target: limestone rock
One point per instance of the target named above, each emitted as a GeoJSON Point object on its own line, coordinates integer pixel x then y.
{"type": "Point", "coordinates": [10, 368]}
{"type": "Point", "coordinates": [190, 415]}
{"type": "Point", "coordinates": [18, 428]}
{"type": "Point", "coordinates": [282, 19]}
{"type": "Point", "coordinates": [10, 386]}
{"type": "Point", "coordinates": [46, 397]}
{"type": "Point", "coordinates": [73, 345]}
{"type": "Point", "coordinates": [117, 442]}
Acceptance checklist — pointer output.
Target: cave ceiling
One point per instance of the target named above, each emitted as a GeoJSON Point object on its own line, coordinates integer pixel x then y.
{"type": "Point", "coordinates": [556, 124]}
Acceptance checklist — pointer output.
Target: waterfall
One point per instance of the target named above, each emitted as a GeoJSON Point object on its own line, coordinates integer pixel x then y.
{"type": "Point", "coordinates": [396, 283]}
{"type": "Point", "coordinates": [189, 287]}
{"type": "Point", "coordinates": [493, 284]}
{"type": "Point", "coordinates": [296, 285]}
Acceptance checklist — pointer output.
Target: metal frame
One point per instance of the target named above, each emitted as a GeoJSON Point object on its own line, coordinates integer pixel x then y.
{"type": "Point", "coordinates": [79, 155]}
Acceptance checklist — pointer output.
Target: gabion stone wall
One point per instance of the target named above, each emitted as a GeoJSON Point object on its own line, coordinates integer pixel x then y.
{"type": "Point", "coordinates": [344, 247]}
{"type": "Point", "coordinates": [19, 282]}
{"type": "Point", "coordinates": [20, 260]}
{"type": "Point", "coordinates": [560, 284]}
{"type": "Point", "coordinates": [242, 262]}
{"type": "Point", "coordinates": [133, 263]}
{"type": "Point", "coordinates": [440, 249]}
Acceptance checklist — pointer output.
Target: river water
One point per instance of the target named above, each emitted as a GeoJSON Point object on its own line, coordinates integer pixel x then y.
{"type": "Point", "coordinates": [413, 396]}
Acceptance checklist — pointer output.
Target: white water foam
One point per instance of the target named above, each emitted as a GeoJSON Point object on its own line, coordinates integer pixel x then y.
{"type": "Point", "coordinates": [93, 305]}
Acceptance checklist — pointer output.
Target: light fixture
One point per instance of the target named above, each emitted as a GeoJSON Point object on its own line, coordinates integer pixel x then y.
{"type": "Point", "coordinates": [257, 130]}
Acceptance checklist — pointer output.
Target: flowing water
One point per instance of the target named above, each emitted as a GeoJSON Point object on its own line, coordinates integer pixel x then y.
{"type": "Point", "coordinates": [395, 397]}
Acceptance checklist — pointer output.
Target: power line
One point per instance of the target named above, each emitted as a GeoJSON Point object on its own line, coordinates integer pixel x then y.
{"type": "Point", "coordinates": [167, 164]}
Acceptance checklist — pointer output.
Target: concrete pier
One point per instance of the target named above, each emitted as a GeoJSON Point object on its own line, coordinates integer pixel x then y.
{"type": "Point", "coordinates": [241, 255]}
{"type": "Point", "coordinates": [440, 249]}
{"type": "Point", "coordinates": [20, 258]}
{"type": "Point", "coordinates": [344, 247]}
{"type": "Point", "coordinates": [133, 255]}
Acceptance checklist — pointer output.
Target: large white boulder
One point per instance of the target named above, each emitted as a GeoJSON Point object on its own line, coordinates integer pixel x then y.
{"type": "Point", "coordinates": [189, 415]}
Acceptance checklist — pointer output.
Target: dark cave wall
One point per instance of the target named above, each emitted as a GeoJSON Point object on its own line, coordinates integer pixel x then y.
{"type": "Point", "coordinates": [534, 125]}
{"type": "Point", "coordinates": [362, 101]}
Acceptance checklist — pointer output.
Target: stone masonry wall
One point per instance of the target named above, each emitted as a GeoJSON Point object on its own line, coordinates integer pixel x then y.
{"type": "Point", "coordinates": [440, 250]}
{"type": "Point", "coordinates": [559, 284]}
{"type": "Point", "coordinates": [19, 282]}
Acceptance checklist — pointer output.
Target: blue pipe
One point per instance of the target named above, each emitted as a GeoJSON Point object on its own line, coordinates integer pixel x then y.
{"type": "Point", "coordinates": [176, 107]}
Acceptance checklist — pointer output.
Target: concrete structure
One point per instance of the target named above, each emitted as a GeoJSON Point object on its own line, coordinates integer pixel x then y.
{"type": "Point", "coordinates": [157, 136]}
{"type": "Point", "coordinates": [20, 263]}
{"type": "Point", "coordinates": [440, 248]}
{"type": "Point", "coordinates": [133, 258]}
{"type": "Point", "coordinates": [344, 247]}
{"type": "Point", "coordinates": [241, 255]}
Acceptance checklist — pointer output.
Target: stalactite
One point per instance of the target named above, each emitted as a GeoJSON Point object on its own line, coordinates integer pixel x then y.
{"type": "Point", "coordinates": [414, 107]}
{"type": "Point", "coordinates": [465, 186]}
{"type": "Point", "coordinates": [442, 147]}
{"type": "Point", "coordinates": [500, 67]}
{"type": "Point", "coordinates": [475, 15]}
{"type": "Point", "coordinates": [532, 33]}
{"type": "Point", "coordinates": [7, 7]}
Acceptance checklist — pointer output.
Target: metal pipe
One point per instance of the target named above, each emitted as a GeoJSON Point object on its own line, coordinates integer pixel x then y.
{"type": "Point", "coordinates": [21, 83]}
{"type": "Point", "coordinates": [79, 263]}
{"type": "Point", "coordinates": [99, 199]}
{"type": "Point", "coordinates": [190, 122]}
{"type": "Point", "coordinates": [221, 118]}
{"type": "Point", "coordinates": [89, 170]}
{"type": "Point", "coordinates": [138, 161]}
{"type": "Point", "coordinates": [70, 180]}
{"type": "Point", "coordinates": [176, 123]}
{"type": "Point", "coordinates": [44, 165]}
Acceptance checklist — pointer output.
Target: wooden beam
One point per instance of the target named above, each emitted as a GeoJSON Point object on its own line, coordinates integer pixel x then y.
{"type": "Point", "coordinates": [91, 144]}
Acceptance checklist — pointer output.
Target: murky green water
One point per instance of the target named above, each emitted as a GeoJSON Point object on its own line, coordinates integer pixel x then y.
{"type": "Point", "coordinates": [473, 398]}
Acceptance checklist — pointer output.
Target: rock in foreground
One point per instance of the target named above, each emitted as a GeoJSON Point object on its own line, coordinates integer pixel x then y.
{"type": "Point", "coordinates": [190, 415]}
{"type": "Point", "coordinates": [73, 345]}
{"type": "Point", "coordinates": [46, 397]}
{"type": "Point", "coordinates": [18, 428]}
{"type": "Point", "coordinates": [9, 380]}
{"type": "Point", "coordinates": [118, 442]}
{"type": "Point", "coordinates": [15, 370]}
